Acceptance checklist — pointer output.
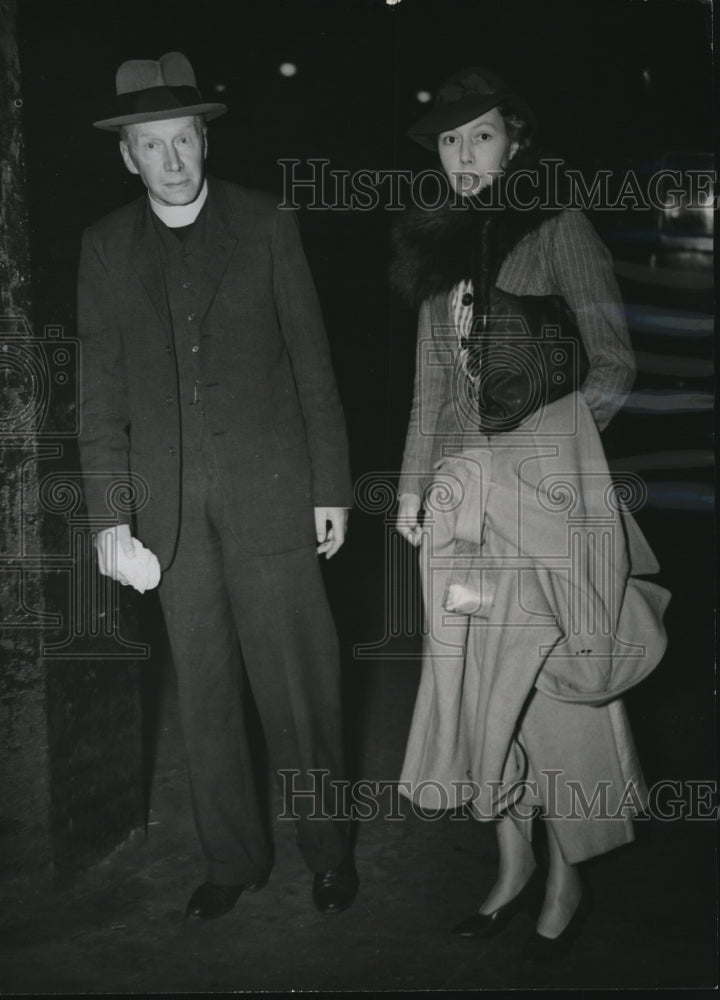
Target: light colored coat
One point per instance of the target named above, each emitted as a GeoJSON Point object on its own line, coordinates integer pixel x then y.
{"type": "Point", "coordinates": [527, 681]}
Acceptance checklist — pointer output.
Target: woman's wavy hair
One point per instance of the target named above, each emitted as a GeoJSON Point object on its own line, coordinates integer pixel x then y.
{"type": "Point", "coordinates": [521, 127]}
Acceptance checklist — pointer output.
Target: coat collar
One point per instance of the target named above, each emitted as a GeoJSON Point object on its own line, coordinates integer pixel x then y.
{"type": "Point", "coordinates": [213, 257]}
{"type": "Point", "coordinates": [220, 242]}
{"type": "Point", "coordinates": [435, 248]}
{"type": "Point", "coordinates": [145, 259]}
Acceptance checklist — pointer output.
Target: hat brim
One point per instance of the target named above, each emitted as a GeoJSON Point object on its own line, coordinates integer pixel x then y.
{"type": "Point", "coordinates": [444, 117]}
{"type": "Point", "coordinates": [208, 111]}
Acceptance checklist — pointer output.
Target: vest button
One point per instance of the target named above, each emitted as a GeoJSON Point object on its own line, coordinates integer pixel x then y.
{"type": "Point", "coordinates": [171, 450]}
{"type": "Point", "coordinates": [168, 399]}
{"type": "Point", "coordinates": [195, 348]}
{"type": "Point", "coordinates": [186, 284]}
{"type": "Point", "coordinates": [168, 349]}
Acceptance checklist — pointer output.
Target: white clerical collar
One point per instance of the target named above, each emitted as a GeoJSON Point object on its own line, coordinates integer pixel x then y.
{"type": "Point", "coordinates": [179, 215]}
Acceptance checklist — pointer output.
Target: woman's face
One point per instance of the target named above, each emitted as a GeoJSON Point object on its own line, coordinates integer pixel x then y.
{"type": "Point", "coordinates": [474, 153]}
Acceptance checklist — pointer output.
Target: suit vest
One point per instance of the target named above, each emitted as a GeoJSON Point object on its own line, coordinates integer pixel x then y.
{"type": "Point", "coordinates": [182, 275]}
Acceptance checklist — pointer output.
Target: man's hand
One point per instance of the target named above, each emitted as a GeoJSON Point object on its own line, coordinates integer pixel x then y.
{"type": "Point", "coordinates": [406, 521]}
{"type": "Point", "coordinates": [332, 537]}
{"type": "Point", "coordinates": [125, 559]}
{"type": "Point", "coordinates": [108, 543]}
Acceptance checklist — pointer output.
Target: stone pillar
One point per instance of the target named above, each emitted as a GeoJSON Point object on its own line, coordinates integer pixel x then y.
{"type": "Point", "coordinates": [70, 727]}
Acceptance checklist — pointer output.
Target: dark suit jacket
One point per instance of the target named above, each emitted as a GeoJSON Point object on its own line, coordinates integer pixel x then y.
{"type": "Point", "coordinates": [272, 411]}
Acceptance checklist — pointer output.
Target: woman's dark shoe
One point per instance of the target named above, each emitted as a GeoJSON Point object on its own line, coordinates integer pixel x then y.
{"type": "Point", "coordinates": [483, 925]}
{"type": "Point", "coordinates": [541, 949]}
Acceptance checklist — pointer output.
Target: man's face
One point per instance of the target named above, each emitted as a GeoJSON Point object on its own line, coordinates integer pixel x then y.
{"type": "Point", "coordinates": [168, 156]}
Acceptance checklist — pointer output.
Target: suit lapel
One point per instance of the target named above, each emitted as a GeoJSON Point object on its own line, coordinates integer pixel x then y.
{"type": "Point", "coordinates": [147, 265]}
{"type": "Point", "coordinates": [214, 255]}
{"type": "Point", "coordinates": [219, 245]}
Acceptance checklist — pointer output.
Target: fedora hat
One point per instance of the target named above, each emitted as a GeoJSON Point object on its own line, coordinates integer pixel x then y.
{"type": "Point", "coordinates": [465, 95]}
{"type": "Point", "coordinates": [149, 90]}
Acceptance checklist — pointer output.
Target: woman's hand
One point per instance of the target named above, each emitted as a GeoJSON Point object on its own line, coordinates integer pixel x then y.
{"type": "Point", "coordinates": [406, 521]}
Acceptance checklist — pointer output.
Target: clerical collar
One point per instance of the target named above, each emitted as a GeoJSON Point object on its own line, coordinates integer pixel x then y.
{"type": "Point", "coordinates": [175, 216]}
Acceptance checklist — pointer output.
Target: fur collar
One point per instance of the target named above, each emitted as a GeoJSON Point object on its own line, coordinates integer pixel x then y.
{"type": "Point", "coordinates": [434, 249]}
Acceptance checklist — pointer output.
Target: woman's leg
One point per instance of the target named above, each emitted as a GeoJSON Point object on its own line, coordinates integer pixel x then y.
{"type": "Point", "coordinates": [517, 863]}
{"type": "Point", "coordinates": [562, 891]}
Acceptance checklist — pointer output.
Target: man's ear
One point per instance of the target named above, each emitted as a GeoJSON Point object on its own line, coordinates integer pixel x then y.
{"type": "Point", "coordinates": [127, 157]}
{"type": "Point", "coordinates": [205, 144]}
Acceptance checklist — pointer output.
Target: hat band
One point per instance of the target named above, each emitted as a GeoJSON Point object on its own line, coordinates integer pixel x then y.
{"type": "Point", "coordinates": [139, 102]}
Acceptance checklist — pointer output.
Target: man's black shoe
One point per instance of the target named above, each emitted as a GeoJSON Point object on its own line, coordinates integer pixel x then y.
{"type": "Point", "coordinates": [212, 900]}
{"type": "Point", "coordinates": [335, 889]}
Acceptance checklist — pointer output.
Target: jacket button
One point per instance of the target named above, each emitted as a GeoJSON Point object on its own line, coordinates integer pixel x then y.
{"type": "Point", "coordinates": [186, 284]}
{"type": "Point", "coordinates": [168, 399]}
{"type": "Point", "coordinates": [168, 349]}
{"type": "Point", "coordinates": [171, 450]}
{"type": "Point", "coordinates": [195, 348]}
{"type": "Point", "coordinates": [467, 299]}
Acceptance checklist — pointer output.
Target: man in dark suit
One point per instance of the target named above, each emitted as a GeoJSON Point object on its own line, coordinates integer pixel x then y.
{"type": "Point", "coordinates": [208, 390]}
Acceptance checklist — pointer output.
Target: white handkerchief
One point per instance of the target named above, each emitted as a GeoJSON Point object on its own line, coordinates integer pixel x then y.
{"type": "Point", "coordinates": [141, 572]}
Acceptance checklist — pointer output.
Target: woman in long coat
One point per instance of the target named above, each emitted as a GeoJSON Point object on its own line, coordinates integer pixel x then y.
{"type": "Point", "coordinates": [536, 620]}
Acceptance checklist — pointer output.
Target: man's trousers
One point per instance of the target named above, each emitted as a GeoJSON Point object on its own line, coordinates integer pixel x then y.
{"type": "Point", "coordinates": [226, 610]}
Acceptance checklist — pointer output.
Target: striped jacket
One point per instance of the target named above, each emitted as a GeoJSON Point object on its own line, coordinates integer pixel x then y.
{"type": "Point", "coordinates": [562, 256]}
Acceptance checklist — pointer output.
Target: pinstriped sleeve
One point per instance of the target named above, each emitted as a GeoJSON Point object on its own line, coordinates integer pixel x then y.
{"type": "Point", "coordinates": [582, 270]}
{"type": "Point", "coordinates": [432, 388]}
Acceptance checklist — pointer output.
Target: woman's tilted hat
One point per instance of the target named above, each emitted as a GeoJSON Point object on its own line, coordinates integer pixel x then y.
{"type": "Point", "coordinates": [150, 90]}
{"type": "Point", "coordinates": [465, 95]}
